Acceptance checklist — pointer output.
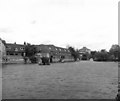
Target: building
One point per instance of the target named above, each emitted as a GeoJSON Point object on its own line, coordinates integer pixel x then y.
{"type": "Point", "coordinates": [55, 52]}
{"type": "Point", "coordinates": [17, 50]}
{"type": "Point", "coordinates": [14, 49]}
{"type": "Point", "coordinates": [84, 50]}
{"type": "Point", "coordinates": [84, 53]}
{"type": "Point", "coordinates": [2, 50]}
{"type": "Point", "coordinates": [14, 53]}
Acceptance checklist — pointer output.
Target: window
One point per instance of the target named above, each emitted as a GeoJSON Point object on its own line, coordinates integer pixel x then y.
{"type": "Point", "coordinates": [11, 54]}
{"type": "Point", "coordinates": [50, 48]}
{"type": "Point", "coordinates": [21, 48]}
{"type": "Point", "coordinates": [16, 49]}
{"type": "Point", "coordinates": [8, 47]}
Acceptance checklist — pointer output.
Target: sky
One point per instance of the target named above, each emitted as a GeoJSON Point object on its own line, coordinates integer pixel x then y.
{"type": "Point", "coordinates": [76, 23]}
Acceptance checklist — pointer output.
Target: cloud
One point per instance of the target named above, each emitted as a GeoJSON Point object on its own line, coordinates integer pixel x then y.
{"type": "Point", "coordinates": [78, 23]}
{"type": "Point", "coordinates": [66, 2]}
{"type": "Point", "coordinates": [33, 22]}
{"type": "Point", "coordinates": [5, 30]}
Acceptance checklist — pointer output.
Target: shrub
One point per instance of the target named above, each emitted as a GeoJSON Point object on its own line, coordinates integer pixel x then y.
{"type": "Point", "coordinates": [33, 59]}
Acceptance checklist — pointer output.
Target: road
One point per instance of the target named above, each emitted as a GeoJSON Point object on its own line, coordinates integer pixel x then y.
{"type": "Point", "coordinates": [73, 80]}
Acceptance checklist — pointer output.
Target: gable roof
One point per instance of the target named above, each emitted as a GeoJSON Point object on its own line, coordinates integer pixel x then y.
{"type": "Point", "coordinates": [12, 47]}
{"type": "Point", "coordinates": [84, 49]}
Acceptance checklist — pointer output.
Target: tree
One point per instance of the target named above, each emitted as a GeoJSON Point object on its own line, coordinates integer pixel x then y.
{"type": "Point", "coordinates": [30, 51]}
{"type": "Point", "coordinates": [74, 53]}
{"type": "Point", "coordinates": [101, 55]}
{"type": "Point", "coordinates": [4, 42]}
{"type": "Point", "coordinates": [92, 55]}
{"type": "Point", "coordinates": [115, 52]}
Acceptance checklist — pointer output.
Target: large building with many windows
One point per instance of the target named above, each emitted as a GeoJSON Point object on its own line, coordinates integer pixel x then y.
{"type": "Point", "coordinates": [18, 50]}
{"type": "Point", "coordinates": [14, 49]}
{"type": "Point", "coordinates": [54, 51]}
{"type": "Point", "coordinates": [14, 52]}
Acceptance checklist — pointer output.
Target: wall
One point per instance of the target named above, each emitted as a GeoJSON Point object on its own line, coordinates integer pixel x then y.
{"type": "Point", "coordinates": [2, 50]}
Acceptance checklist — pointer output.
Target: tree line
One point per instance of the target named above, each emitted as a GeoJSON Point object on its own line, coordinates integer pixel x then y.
{"type": "Point", "coordinates": [112, 55]}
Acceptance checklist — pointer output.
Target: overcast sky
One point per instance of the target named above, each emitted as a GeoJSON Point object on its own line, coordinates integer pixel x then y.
{"type": "Point", "coordinates": [90, 23]}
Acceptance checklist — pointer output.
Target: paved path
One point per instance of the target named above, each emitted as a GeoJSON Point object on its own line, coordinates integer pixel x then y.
{"type": "Point", "coordinates": [79, 80]}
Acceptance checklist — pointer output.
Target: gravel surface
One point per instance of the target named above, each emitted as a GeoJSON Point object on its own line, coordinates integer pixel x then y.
{"type": "Point", "coordinates": [73, 80]}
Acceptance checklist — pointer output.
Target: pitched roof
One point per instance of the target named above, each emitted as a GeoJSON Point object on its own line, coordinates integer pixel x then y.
{"type": "Point", "coordinates": [51, 48]}
{"type": "Point", "coordinates": [12, 47]}
{"type": "Point", "coordinates": [84, 49]}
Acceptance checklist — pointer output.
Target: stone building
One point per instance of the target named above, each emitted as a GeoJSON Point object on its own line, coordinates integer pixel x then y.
{"type": "Point", "coordinates": [84, 53]}
{"type": "Point", "coordinates": [14, 49]}
{"type": "Point", "coordinates": [54, 51]}
{"type": "Point", "coordinates": [2, 50]}
{"type": "Point", "coordinates": [14, 53]}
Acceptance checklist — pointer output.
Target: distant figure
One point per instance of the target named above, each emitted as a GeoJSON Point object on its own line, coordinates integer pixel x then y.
{"type": "Point", "coordinates": [51, 59]}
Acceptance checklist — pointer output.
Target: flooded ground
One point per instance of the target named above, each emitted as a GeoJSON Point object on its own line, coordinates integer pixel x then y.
{"type": "Point", "coordinates": [78, 80]}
